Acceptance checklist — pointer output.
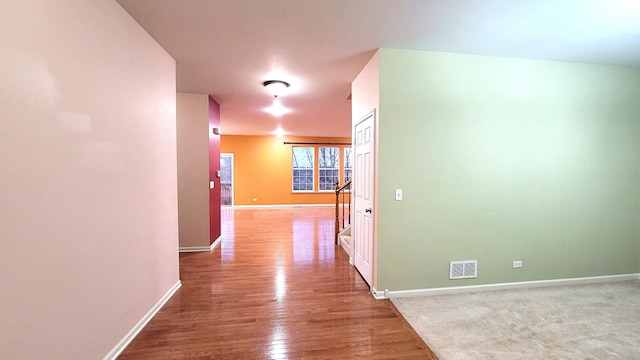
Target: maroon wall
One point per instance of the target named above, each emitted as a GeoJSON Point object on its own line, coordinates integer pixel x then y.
{"type": "Point", "coordinates": [214, 166]}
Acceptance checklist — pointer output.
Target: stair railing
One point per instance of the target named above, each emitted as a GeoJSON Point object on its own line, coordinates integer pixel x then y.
{"type": "Point", "coordinates": [343, 198]}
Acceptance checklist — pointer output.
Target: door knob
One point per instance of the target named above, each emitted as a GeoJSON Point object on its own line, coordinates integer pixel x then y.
{"type": "Point", "coordinates": [368, 210]}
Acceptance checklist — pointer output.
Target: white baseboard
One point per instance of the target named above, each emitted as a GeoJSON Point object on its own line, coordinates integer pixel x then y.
{"type": "Point", "coordinates": [279, 206]}
{"type": "Point", "coordinates": [377, 295]}
{"type": "Point", "coordinates": [507, 286]}
{"type": "Point", "coordinates": [122, 344]}
{"type": "Point", "coordinates": [213, 245]}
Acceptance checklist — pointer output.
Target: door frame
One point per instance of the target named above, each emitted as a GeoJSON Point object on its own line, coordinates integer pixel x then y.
{"type": "Point", "coordinates": [232, 177]}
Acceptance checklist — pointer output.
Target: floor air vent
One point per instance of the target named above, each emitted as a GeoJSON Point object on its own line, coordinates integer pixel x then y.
{"type": "Point", "coordinates": [463, 269]}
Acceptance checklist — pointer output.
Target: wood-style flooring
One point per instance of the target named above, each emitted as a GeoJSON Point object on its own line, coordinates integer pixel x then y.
{"type": "Point", "coordinates": [276, 288]}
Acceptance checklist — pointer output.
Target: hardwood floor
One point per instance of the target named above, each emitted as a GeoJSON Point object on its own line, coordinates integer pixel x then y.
{"type": "Point", "coordinates": [276, 288]}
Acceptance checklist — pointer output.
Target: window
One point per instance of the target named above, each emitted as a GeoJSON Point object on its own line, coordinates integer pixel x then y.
{"type": "Point", "coordinates": [317, 168]}
{"type": "Point", "coordinates": [303, 168]}
{"type": "Point", "coordinates": [328, 168]}
{"type": "Point", "coordinates": [348, 165]}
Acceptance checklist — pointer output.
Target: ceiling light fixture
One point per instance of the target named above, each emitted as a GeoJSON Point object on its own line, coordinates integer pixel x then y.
{"type": "Point", "coordinates": [276, 87]}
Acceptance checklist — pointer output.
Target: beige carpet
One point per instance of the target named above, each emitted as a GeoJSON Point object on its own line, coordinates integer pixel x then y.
{"type": "Point", "coordinates": [599, 321]}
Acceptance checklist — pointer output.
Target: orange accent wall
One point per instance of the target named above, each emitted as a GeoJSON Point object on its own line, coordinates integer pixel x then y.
{"type": "Point", "coordinates": [262, 170]}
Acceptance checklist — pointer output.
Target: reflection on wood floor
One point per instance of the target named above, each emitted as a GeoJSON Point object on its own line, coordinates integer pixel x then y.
{"type": "Point", "coordinates": [276, 288]}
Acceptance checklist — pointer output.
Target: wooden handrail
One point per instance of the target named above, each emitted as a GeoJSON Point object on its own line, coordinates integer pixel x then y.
{"type": "Point", "coordinates": [344, 186]}
{"type": "Point", "coordinates": [346, 220]}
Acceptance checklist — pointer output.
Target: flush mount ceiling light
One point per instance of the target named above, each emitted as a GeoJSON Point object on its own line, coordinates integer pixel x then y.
{"type": "Point", "coordinates": [276, 87]}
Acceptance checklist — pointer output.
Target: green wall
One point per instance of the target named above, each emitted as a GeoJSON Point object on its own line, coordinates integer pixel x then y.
{"type": "Point", "coordinates": [506, 159]}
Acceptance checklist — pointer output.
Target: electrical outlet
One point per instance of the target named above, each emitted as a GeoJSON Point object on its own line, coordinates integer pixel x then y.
{"type": "Point", "coordinates": [517, 264]}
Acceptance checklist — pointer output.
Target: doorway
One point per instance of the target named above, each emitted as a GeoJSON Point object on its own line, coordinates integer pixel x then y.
{"type": "Point", "coordinates": [226, 179]}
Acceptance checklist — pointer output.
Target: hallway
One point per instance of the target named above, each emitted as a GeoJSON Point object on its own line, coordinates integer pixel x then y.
{"type": "Point", "coordinates": [276, 288]}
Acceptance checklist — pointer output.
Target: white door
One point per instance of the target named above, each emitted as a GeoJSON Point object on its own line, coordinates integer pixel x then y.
{"type": "Point", "coordinates": [363, 201]}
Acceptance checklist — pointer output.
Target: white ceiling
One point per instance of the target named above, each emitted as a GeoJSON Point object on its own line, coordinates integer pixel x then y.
{"type": "Point", "coordinates": [227, 48]}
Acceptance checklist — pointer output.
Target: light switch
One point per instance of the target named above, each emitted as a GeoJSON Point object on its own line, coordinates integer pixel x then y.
{"type": "Point", "coordinates": [212, 184]}
{"type": "Point", "coordinates": [398, 194]}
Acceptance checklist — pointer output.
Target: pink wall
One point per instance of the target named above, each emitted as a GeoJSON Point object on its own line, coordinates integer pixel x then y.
{"type": "Point", "coordinates": [214, 166]}
{"type": "Point", "coordinates": [88, 192]}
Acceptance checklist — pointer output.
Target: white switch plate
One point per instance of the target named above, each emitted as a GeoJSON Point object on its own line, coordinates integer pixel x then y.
{"type": "Point", "coordinates": [398, 194]}
{"type": "Point", "coordinates": [212, 184]}
{"type": "Point", "coordinates": [517, 264]}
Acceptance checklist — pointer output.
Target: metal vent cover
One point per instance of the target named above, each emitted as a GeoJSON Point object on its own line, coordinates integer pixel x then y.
{"type": "Point", "coordinates": [463, 269]}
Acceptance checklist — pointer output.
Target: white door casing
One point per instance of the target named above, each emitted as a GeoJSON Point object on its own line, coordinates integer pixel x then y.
{"type": "Point", "coordinates": [364, 148]}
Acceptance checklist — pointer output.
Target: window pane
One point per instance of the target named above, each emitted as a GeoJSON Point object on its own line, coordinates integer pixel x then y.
{"type": "Point", "coordinates": [347, 175]}
{"type": "Point", "coordinates": [347, 158]}
{"type": "Point", "coordinates": [328, 168]}
{"type": "Point", "coordinates": [328, 180]}
{"type": "Point", "coordinates": [303, 168]}
{"type": "Point", "coordinates": [329, 158]}
{"type": "Point", "coordinates": [348, 165]}
{"type": "Point", "coordinates": [303, 158]}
